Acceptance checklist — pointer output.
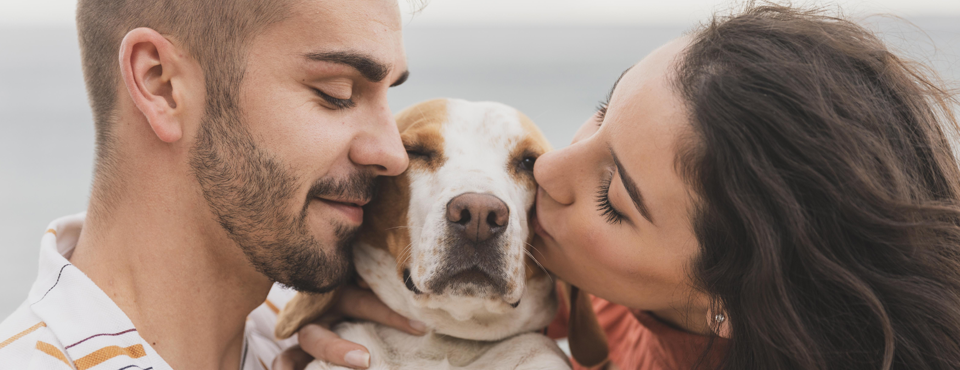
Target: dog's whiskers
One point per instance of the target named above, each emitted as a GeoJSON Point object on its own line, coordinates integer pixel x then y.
{"type": "Point", "coordinates": [407, 254]}
{"type": "Point", "coordinates": [533, 247]}
{"type": "Point", "coordinates": [527, 252]}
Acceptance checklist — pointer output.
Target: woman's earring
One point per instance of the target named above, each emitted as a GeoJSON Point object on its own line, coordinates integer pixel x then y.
{"type": "Point", "coordinates": [718, 323]}
{"type": "Point", "coordinates": [719, 318]}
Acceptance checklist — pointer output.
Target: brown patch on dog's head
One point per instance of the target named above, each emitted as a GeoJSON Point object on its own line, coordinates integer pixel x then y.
{"type": "Point", "coordinates": [385, 218]}
{"type": "Point", "coordinates": [421, 132]}
{"type": "Point", "coordinates": [385, 223]}
{"type": "Point", "coordinates": [533, 145]}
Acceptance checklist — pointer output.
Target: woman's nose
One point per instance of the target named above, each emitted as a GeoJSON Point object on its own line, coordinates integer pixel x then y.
{"type": "Point", "coordinates": [557, 172]}
{"type": "Point", "coordinates": [551, 173]}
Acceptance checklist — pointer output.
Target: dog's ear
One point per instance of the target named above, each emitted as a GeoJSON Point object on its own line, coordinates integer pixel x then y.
{"type": "Point", "coordinates": [588, 342]}
{"type": "Point", "coordinates": [303, 309]}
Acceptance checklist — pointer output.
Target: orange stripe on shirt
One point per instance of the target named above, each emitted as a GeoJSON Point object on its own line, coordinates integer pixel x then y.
{"type": "Point", "coordinates": [52, 351]}
{"type": "Point", "coordinates": [272, 307]}
{"type": "Point", "coordinates": [101, 355]}
{"type": "Point", "coordinates": [22, 333]}
{"type": "Point", "coordinates": [52, 231]}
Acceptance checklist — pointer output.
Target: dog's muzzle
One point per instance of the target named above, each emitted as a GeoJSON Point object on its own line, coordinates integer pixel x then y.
{"type": "Point", "coordinates": [473, 262]}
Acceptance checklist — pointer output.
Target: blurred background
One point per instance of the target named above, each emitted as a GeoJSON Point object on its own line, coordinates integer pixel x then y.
{"type": "Point", "coordinates": [552, 59]}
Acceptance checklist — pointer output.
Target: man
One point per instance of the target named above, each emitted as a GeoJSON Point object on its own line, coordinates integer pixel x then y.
{"type": "Point", "coordinates": [236, 142]}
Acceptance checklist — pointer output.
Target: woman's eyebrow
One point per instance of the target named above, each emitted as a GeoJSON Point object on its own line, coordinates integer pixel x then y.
{"type": "Point", "coordinates": [618, 81]}
{"type": "Point", "coordinates": [632, 188]}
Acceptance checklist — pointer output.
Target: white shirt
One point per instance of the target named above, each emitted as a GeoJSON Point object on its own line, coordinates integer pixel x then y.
{"type": "Point", "coordinates": [67, 322]}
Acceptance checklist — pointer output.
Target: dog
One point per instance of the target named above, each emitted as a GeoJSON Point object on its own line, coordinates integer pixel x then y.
{"type": "Point", "coordinates": [449, 243]}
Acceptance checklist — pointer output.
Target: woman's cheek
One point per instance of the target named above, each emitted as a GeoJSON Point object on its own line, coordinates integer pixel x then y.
{"type": "Point", "coordinates": [588, 239]}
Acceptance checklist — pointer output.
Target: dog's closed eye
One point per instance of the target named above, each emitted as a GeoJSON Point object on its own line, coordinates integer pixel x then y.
{"type": "Point", "coordinates": [415, 151]}
{"type": "Point", "coordinates": [420, 154]}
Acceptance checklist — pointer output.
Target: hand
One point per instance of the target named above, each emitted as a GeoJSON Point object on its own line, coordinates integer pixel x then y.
{"type": "Point", "coordinates": [318, 341]}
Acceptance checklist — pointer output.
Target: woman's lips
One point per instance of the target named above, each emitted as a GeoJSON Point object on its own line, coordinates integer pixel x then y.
{"type": "Point", "coordinates": [537, 226]}
{"type": "Point", "coordinates": [352, 212]}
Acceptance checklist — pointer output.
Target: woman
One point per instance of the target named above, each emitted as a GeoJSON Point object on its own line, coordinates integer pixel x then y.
{"type": "Point", "coordinates": [778, 178]}
{"type": "Point", "coordinates": [778, 174]}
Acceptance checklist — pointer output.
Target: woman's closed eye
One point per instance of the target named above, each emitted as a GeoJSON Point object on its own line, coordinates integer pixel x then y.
{"type": "Point", "coordinates": [604, 206]}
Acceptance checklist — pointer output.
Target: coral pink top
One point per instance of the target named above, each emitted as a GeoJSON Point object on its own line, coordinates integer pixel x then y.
{"type": "Point", "coordinates": [639, 341]}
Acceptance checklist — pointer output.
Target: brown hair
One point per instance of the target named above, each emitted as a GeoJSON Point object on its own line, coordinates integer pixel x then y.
{"type": "Point", "coordinates": [214, 32]}
{"type": "Point", "coordinates": [828, 194]}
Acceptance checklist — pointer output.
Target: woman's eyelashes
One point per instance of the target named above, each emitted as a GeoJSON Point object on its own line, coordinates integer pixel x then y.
{"type": "Point", "coordinates": [337, 103]}
{"type": "Point", "coordinates": [604, 206]}
{"type": "Point", "coordinates": [602, 111]}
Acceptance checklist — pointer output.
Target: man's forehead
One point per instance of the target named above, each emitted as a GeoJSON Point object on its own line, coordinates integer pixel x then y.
{"type": "Point", "coordinates": [318, 28]}
{"type": "Point", "coordinates": [375, 15]}
{"type": "Point", "coordinates": [361, 25]}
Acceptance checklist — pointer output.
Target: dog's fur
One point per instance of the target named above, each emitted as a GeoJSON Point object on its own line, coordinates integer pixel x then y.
{"type": "Point", "coordinates": [482, 302]}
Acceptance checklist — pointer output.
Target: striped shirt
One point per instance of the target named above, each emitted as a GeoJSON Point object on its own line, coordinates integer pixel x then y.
{"type": "Point", "coordinates": [67, 322]}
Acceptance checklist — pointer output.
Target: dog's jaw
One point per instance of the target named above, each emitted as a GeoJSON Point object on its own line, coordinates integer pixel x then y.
{"type": "Point", "coordinates": [462, 317]}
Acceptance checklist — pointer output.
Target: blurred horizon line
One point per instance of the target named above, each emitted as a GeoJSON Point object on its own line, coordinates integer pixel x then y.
{"type": "Point", "coordinates": [928, 21]}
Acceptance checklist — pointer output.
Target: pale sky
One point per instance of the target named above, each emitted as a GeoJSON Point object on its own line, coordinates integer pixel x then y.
{"type": "Point", "coordinates": [532, 12]}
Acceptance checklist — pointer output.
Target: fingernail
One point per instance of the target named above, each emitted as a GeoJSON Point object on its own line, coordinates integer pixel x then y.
{"type": "Point", "coordinates": [358, 358]}
{"type": "Point", "coordinates": [418, 326]}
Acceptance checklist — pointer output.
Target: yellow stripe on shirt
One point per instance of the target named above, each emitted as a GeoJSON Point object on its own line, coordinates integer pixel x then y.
{"type": "Point", "coordinates": [52, 351]}
{"type": "Point", "coordinates": [22, 333]}
{"type": "Point", "coordinates": [272, 307]}
{"type": "Point", "coordinates": [101, 355]}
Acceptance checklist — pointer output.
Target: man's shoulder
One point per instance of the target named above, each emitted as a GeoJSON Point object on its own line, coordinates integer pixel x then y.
{"type": "Point", "coordinates": [20, 325]}
{"type": "Point", "coordinates": [27, 343]}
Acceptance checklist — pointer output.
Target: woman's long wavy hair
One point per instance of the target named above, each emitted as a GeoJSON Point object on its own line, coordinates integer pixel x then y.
{"type": "Point", "coordinates": [829, 196]}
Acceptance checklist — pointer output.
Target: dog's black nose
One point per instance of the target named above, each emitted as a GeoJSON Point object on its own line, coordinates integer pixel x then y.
{"type": "Point", "coordinates": [477, 217]}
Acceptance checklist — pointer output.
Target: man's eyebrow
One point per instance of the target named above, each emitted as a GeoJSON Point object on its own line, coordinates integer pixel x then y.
{"type": "Point", "coordinates": [632, 188]}
{"type": "Point", "coordinates": [370, 68]}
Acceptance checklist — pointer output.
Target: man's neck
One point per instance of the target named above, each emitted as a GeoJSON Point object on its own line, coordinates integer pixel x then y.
{"type": "Point", "coordinates": [182, 282]}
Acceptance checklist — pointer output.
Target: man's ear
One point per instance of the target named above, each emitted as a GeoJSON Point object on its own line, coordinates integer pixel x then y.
{"type": "Point", "coordinates": [303, 309]}
{"type": "Point", "coordinates": [588, 342]}
{"type": "Point", "coordinates": [154, 71]}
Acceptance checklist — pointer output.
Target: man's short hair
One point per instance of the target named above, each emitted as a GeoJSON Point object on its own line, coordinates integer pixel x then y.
{"type": "Point", "coordinates": [214, 32]}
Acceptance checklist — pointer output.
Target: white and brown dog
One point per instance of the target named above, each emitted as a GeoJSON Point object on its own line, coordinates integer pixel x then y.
{"type": "Point", "coordinates": [448, 243]}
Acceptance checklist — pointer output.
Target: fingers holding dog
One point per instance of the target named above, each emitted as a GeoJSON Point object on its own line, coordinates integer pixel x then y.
{"type": "Point", "coordinates": [318, 341]}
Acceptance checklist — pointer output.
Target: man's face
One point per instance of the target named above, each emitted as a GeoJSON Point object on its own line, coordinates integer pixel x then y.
{"type": "Point", "coordinates": [286, 165]}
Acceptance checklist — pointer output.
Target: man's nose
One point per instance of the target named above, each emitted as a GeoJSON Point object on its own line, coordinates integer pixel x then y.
{"type": "Point", "coordinates": [379, 147]}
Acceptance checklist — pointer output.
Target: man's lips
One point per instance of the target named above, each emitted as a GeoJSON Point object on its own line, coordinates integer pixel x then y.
{"type": "Point", "coordinates": [352, 209]}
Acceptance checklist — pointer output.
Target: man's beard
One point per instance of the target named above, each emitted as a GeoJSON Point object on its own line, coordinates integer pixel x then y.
{"type": "Point", "coordinates": [249, 191]}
